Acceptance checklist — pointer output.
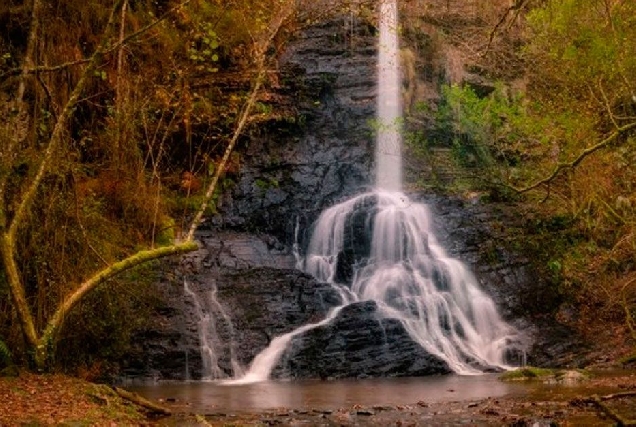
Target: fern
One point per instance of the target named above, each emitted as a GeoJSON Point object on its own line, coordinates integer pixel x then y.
{"type": "Point", "coordinates": [5, 355]}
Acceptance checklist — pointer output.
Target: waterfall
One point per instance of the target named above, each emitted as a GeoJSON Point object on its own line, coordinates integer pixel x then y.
{"type": "Point", "coordinates": [412, 278]}
{"type": "Point", "coordinates": [399, 263]}
{"type": "Point", "coordinates": [211, 315]}
{"type": "Point", "coordinates": [388, 155]}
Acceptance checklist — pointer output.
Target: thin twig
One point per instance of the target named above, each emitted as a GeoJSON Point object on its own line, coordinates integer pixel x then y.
{"type": "Point", "coordinates": [517, 6]}
{"type": "Point", "coordinates": [112, 48]}
{"type": "Point", "coordinates": [606, 102]}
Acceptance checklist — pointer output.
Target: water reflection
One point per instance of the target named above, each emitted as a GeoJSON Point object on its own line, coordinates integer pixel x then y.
{"type": "Point", "coordinates": [205, 397]}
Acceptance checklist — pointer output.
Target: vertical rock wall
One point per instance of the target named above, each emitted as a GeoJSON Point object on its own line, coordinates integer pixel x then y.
{"type": "Point", "coordinates": [292, 170]}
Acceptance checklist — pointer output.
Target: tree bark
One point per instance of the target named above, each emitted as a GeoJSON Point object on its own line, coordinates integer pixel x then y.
{"type": "Point", "coordinates": [140, 401]}
{"type": "Point", "coordinates": [20, 121]}
{"type": "Point", "coordinates": [7, 250]}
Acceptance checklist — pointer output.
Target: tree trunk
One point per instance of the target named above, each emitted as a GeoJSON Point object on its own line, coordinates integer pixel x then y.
{"type": "Point", "coordinates": [7, 248]}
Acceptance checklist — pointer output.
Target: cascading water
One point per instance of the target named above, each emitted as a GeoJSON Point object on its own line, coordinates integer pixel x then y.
{"type": "Point", "coordinates": [211, 315]}
{"type": "Point", "coordinates": [394, 259]}
{"type": "Point", "coordinates": [412, 279]}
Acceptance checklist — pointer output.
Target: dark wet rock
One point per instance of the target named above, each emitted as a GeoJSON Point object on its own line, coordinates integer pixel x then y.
{"type": "Point", "coordinates": [264, 303]}
{"type": "Point", "coordinates": [291, 171]}
{"type": "Point", "coordinates": [480, 235]}
{"type": "Point", "coordinates": [479, 84]}
{"type": "Point", "coordinates": [358, 343]}
{"type": "Point", "coordinates": [247, 286]}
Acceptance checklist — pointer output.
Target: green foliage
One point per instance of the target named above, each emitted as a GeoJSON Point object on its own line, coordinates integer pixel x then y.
{"type": "Point", "coordinates": [485, 130]}
{"type": "Point", "coordinates": [585, 40]}
{"type": "Point", "coordinates": [582, 87]}
{"type": "Point", "coordinates": [266, 183]}
{"type": "Point", "coordinates": [262, 108]}
{"type": "Point", "coordinates": [487, 136]}
{"type": "Point", "coordinates": [166, 232]}
{"type": "Point", "coordinates": [203, 49]}
{"type": "Point", "coordinates": [6, 358]}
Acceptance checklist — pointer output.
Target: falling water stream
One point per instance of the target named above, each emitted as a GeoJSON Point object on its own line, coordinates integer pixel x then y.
{"type": "Point", "coordinates": [210, 316]}
{"type": "Point", "coordinates": [406, 271]}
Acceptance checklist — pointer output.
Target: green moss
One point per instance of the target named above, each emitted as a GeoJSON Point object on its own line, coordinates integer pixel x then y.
{"type": "Point", "coordinates": [527, 373]}
{"type": "Point", "coordinates": [555, 376]}
{"type": "Point", "coordinates": [166, 232]}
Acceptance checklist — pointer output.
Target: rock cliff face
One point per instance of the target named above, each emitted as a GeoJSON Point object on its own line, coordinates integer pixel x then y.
{"type": "Point", "coordinates": [244, 278]}
{"type": "Point", "coordinates": [358, 343]}
{"type": "Point", "coordinates": [291, 171]}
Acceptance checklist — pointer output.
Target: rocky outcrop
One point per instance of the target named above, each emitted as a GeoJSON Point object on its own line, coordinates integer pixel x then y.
{"type": "Point", "coordinates": [247, 287]}
{"type": "Point", "coordinates": [358, 343]}
{"type": "Point", "coordinates": [250, 296]}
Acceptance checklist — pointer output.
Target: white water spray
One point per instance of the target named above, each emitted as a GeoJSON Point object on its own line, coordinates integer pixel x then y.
{"type": "Point", "coordinates": [412, 279]}
{"type": "Point", "coordinates": [406, 272]}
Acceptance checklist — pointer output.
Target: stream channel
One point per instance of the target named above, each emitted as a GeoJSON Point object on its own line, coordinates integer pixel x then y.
{"type": "Point", "coordinates": [451, 400]}
{"type": "Point", "coordinates": [205, 397]}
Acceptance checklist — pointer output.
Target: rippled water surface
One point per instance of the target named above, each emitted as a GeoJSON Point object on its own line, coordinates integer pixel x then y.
{"type": "Point", "coordinates": [205, 397]}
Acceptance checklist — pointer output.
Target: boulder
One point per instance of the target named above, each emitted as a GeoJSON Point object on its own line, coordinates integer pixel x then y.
{"type": "Point", "coordinates": [358, 343]}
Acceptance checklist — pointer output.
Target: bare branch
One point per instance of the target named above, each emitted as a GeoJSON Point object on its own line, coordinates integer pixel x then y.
{"type": "Point", "coordinates": [574, 163]}
{"type": "Point", "coordinates": [106, 50]}
{"type": "Point", "coordinates": [8, 153]}
{"type": "Point", "coordinates": [516, 6]}
{"type": "Point", "coordinates": [58, 130]}
{"type": "Point", "coordinates": [606, 102]}
{"type": "Point", "coordinates": [261, 56]}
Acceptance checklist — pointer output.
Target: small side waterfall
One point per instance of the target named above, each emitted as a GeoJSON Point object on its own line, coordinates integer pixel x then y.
{"type": "Point", "coordinates": [265, 361]}
{"type": "Point", "coordinates": [380, 246]}
{"type": "Point", "coordinates": [210, 316]}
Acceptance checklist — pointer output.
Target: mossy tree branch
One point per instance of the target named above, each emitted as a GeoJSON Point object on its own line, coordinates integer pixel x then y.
{"type": "Point", "coordinates": [49, 337]}
{"type": "Point", "coordinates": [10, 230]}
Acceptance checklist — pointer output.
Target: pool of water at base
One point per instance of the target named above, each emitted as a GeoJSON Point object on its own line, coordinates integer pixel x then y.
{"type": "Point", "coordinates": [210, 396]}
